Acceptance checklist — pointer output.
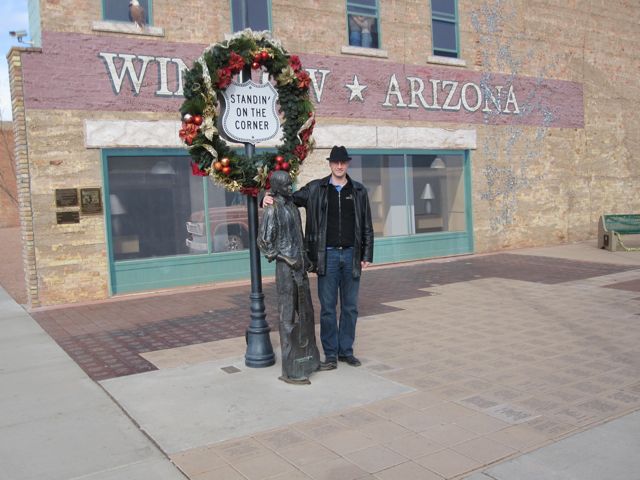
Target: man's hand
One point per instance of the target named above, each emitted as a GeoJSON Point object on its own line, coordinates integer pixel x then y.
{"type": "Point", "coordinates": [365, 264]}
{"type": "Point", "coordinates": [267, 200]}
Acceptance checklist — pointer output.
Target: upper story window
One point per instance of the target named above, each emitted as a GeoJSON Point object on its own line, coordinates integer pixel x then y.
{"type": "Point", "coordinates": [123, 11]}
{"type": "Point", "coordinates": [253, 14]}
{"type": "Point", "coordinates": [363, 21]}
{"type": "Point", "coordinates": [444, 22]}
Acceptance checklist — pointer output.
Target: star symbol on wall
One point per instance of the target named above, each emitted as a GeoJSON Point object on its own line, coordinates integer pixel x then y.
{"type": "Point", "coordinates": [356, 89]}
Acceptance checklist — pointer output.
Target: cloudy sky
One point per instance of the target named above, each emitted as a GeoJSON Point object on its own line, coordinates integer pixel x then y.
{"type": "Point", "coordinates": [13, 16]}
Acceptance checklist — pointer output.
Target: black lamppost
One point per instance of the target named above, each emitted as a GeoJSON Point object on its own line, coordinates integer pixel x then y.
{"type": "Point", "coordinates": [259, 350]}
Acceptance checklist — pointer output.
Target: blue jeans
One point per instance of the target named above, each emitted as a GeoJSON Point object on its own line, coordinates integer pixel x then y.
{"type": "Point", "coordinates": [360, 39]}
{"type": "Point", "coordinates": [337, 338]}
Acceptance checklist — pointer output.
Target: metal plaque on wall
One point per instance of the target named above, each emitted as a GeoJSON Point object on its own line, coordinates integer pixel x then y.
{"type": "Point", "coordinates": [67, 217]}
{"type": "Point", "coordinates": [66, 197]}
{"type": "Point", "coordinates": [90, 200]}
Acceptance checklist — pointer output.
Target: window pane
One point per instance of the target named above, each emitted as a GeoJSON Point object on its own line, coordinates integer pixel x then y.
{"type": "Point", "coordinates": [228, 222]}
{"type": "Point", "coordinates": [118, 10]}
{"type": "Point", "coordinates": [360, 3]}
{"type": "Point", "coordinates": [363, 31]}
{"type": "Point", "coordinates": [253, 14]}
{"type": "Point", "coordinates": [443, 6]}
{"type": "Point", "coordinates": [151, 200]}
{"type": "Point", "coordinates": [438, 193]}
{"type": "Point", "coordinates": [444, 35]}
{"type": "Point", "coordinates": [383, 175]}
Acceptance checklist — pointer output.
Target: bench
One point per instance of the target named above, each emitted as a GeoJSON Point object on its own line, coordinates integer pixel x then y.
{"type": "Point", "coordinates": [611, 227]}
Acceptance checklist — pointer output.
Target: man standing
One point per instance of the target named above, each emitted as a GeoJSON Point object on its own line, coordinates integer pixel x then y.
{"type": "Point", "coordinates": [339, 244]}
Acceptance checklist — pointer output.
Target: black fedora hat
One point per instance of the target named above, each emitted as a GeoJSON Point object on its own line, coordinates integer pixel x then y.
{"type": "Point", "coordinates": [338, 154]}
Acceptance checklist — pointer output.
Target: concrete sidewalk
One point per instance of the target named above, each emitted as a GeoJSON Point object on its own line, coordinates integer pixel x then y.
{"type": "Point", "coordinates": [530, 358]}
{"type": "Point", "coordinates": [55, 422]}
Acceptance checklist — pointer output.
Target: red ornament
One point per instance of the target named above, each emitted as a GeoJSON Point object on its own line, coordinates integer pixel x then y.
{"type": "Point", "coordinates": [195, 170]}
{"type": "Point", "coordinates": [188, 118]}
{"type": "Point", "coordinates": [197, 119]}
{"type": "Point", "coordinates": [225, 162]}
{"type": "Point", "coordinates": [277, 167]}
{"type": "Point", "coordinates": [217, 166]}
{"type": "Point", "coordinates": [226, 170]}
{"type": "Point", "coordinates": [286, 166]}
{"type": "Point", "coordinates": [255, 65]}
{"type": "Point", "coordinates": [279, 158]}
{"type": "Point", "coordinates": [264, 55]}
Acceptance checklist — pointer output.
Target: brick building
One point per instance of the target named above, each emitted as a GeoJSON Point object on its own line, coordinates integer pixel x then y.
{"type": "Point", "coordinates": [8, 191]}
{"type": "Point", "coordinates": [477, 126]}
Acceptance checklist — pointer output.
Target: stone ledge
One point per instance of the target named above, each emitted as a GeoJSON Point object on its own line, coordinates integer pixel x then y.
{"type": "Point", "coordinates": [364, 52]}
{"type": "Point", "coordinates": [452, 62]}
{"type": "Point", "coordinates": [164, 133]}
{"type": "Point", "coordinates": [126, 27]}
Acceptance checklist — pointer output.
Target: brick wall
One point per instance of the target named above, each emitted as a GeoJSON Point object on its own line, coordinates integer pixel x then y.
{"type": "Point", "coordinates": [531, 185]}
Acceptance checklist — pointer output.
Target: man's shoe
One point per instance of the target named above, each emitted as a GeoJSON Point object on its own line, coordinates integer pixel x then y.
{"type": "Point", "coordinates": [328, 365]}
{"type": "Point", "coordinates": [351, 360]}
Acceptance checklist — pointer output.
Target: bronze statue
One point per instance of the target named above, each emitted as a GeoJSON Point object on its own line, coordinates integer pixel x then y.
{"type": "Point", "coordinates": [281, 239]}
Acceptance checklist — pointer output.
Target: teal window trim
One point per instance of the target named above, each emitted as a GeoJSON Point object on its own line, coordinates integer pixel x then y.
{"type": "Point", "coordinates": [123, 152]}
{"type": "Point", "coordinates": [244, 3]}
{"type": "Point", "coordinates": [176, 270]}
{"type": "Point", "coordinates": [466, 171]}
{"type": "Point", "coordinates": [367, 11]}
{"type": "Point", "coordinates": [447, 18]}
{"type": "Point", "coordinates": [149, 12]}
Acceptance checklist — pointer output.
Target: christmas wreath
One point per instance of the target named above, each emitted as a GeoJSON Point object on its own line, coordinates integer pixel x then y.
{"type": "Point", "coordinates": [211, 74]}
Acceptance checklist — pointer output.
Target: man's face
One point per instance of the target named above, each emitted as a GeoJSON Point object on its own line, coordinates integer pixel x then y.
{"type": "Point", "coordinates": [339, 169]}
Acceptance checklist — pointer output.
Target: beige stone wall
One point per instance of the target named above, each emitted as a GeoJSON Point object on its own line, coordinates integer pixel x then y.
{"type": "Point", "coordinates": [530, 185]}
{"type": "Point", "coordinates": [71, 259]}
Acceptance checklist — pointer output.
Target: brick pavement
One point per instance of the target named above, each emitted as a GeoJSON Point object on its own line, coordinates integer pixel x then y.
{"type": "Point", "coordinates": [106, 339]}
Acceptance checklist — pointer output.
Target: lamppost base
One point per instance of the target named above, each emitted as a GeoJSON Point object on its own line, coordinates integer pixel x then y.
{"type": "Point", "coordinates": [259, 351]}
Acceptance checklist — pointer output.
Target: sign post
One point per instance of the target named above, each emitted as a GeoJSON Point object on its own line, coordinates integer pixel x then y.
{"type": "Point", "coordinates": [250, 117]}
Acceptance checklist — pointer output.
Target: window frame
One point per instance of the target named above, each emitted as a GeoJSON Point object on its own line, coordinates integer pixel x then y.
{"type": "Point", "coordinates": [376, 15]}
{"type": "Point", "coordinates": [149, 13]}
{"type": "Point", "coordinates": [447, 18]}
{"type": "Point", "coordinates": [244, 2]}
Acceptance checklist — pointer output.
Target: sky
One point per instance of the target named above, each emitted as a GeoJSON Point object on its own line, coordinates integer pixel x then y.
{"type": "Point", "coordinates": [13, 16]}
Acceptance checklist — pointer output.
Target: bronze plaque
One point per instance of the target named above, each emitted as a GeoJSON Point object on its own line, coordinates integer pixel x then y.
{"type": "Point", "coordinates": [68, 217]}
{"type": "Point", "coordinates": [90, 200]}
{"type": "Point", "coordinates": [66, 197]}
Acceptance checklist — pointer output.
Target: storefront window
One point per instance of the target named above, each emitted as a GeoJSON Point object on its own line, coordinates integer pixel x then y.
{"type": "Point", "coordinates": [413, 194]}
{"type": "Point", "coordinates": [157, 209]}
{"type": "Point", "coordinates": [437, 193]}
{"type": "Point", "coordinates": [151, 199]}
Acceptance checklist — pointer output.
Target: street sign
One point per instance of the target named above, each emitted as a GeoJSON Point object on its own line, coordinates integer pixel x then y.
{"type": "Point", "coordinates": [250, 112]}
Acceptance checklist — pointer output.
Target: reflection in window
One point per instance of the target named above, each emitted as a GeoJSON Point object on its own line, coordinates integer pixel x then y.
{"type": "Point", "coordinates": [437, 193]}
{"type": "Point", "coordinates": [412, 194]}
{"type": "Point", "coordinates": [228, 222]}
{"type": "Point", "coordinates": [253, 14]}
{"type": "Point", "coordinates": [118, 10]}
{"type": "Point", "coordinates": [362, 17]}
{"type": "Point", "coordinates": [444, 22]}
{"type": "Point", "coordinates": [159, 209]}
{"type": "Point", "coordinates": [151, 199]}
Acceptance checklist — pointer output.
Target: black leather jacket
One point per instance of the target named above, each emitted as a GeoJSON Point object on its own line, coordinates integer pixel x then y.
{"type": "Point", "coordinates": [313, 197]}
